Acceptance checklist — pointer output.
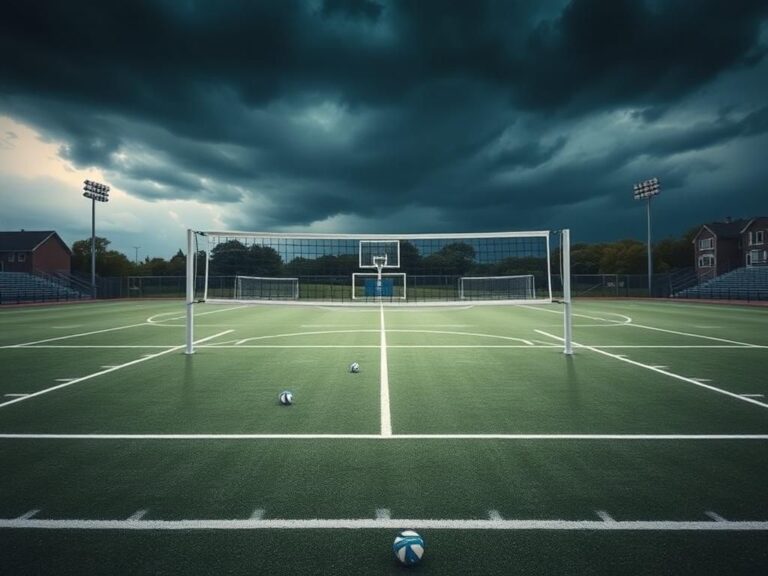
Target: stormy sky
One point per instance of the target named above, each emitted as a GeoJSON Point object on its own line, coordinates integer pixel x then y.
{"type": "Point", "coordinates": [381, 116]}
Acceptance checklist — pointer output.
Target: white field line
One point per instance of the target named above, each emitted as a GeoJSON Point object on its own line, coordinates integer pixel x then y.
{"type": "Point", "coordinates": [16, 395]}
{"type": "Point", "coordinates": [524, 437]}
{"type": "Point", "coordinates": [313, 333]}
{"type": "Point", "coordinates": [28, 515]}
{"type": "Point", "coordinates": [746, 344]}
{"type": "Point", "coordinates": [604, 516]}
{"type": "Point", "coordinates": [386, 417]}
{"type": "Point", "coordinates": [138, 515]}
{"type": "Point", "coordinates": [716, 517]}
{"type": "Point", "coordinates": [383, 523]}
{"type": "Point", "coordinates": [106, 346]}
{"type": "Point", "coordinates": [753, 395]}
{"type": "Point", "coordinates": [430, 326]}
{"type": "Point", "coordinates": [323, 332]}
{"type": "Point", "coordinates": [73, 336]}
{"type": "Point", "coordinates": [494, 515]}
{"type": "Point", "coordinates": [629, 322]}
{"type": "Point", "coordinates": [535, 344]}
{"type": "Point", "coordinates": [107, 371]}
{"type": "Point", "coordinates": [152, 319]}
{"type": "Point", "coordinates": [524, 341]}
{"type": "Point", "coordinates": [661, 371]}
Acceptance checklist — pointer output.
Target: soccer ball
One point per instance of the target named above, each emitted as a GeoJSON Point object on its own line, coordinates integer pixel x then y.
{"type": "Point", "coordinates": [354, 367]}
{"type": "Point", "coordinates": [286, 398]}
{"type": "Point", "coordinates": [408, 547]}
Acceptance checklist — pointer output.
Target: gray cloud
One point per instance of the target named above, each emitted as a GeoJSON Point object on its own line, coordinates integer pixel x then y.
{"type": "Point", "coordinates": [481, 114]}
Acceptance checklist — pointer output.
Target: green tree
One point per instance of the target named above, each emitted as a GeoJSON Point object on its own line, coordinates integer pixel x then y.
{"type": "Point", "coordinates": [456, 259]}
{"type": "Point", "coordinates": [108, 262]}
{"type": "Point", "coordinates": [624, 257]}
{"type": "Point", "coordinates": [675, 253]}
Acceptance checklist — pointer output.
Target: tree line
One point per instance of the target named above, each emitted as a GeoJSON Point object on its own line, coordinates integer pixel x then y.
{"type": "Point", "coordinates": [458, 258]}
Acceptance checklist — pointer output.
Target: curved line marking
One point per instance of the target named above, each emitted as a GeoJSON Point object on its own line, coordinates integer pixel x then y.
{"type": "Point", "coordinates": [316, 333]}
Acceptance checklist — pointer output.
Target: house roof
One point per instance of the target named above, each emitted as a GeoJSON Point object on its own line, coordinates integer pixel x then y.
{"type": "Point", "coordinates": [27, 241]}
{"type": "Point", "coordinates": [730, 229]}
{"type": "Point", "coordinates": [752, 221]}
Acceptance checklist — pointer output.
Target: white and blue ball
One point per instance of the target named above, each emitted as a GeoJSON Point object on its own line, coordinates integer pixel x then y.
{"type": "Point", "coordinates": [408, 547]}
{"type": "Point", "coordinates": [354, 367]}
{"type": "Point", "coordinates": [286, 397]}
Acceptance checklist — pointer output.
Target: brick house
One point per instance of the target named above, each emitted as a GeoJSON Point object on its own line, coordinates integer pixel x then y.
{"type": "Point", "coordinates": [718, 247]}
{"type": "Point", "coordinates": [42, 251]}
{"type": "Point", "coordinates": [754, 239]}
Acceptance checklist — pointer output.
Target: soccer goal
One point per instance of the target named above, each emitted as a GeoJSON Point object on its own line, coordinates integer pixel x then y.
{"type": "Point", "coordinates": [518, 287]}
{"type": "Point", "coordinates": [261, 288]}
{"type": "Point", "coordinates": [487, 268]}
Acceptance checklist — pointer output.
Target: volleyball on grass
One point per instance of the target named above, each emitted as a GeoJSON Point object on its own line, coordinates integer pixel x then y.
{"type": "Point", "coordinates": [286, 398]}
{"type": "Point", "coordinates": [354, 367]}
{"type": "Point", "coordinates": [408, 547]}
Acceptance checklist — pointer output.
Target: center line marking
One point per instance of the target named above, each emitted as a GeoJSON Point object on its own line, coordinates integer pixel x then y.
{"type": "Point", "coordinates": [386, 417]}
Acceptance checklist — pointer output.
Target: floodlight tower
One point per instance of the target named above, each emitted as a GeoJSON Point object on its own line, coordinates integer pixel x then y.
{"type": "Point", "coordinates": [645, 191]}
{"type": "Point", "coordinates": [97, 192]}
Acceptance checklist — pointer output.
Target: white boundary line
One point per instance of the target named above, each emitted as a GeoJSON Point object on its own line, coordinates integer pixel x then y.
{"type": "Point", "coordinates": [661, 371]}
{"type": "Point", "coordinates": [628, 437]}
{"type": "Point", "coordinates": [745, 344]}
{"type": "Point", "coordinates": [629, 322]}
{"type": "Point", "coordinates": [107, 371]}
{"type": "Point", "coordinates": [533, 345]}
{"type": "Point", "coordinates": [74, 335]}
{"type": "Point", "coordinates": [386, 416]}
{"type": "Point", "coordinates": [383, 523]}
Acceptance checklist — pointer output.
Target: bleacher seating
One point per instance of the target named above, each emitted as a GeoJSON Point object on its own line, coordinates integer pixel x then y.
{"type": "Point", "coordinates": [22, 287]}
{"type": "Point", "coordinates": [740, 284]}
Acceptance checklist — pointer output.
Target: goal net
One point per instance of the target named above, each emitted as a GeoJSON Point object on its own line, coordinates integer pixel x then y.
{"type": "Point", "coordinates": [261, 288]}
{"type": "Point", "coordinates": [518, 287]}
{"type": "Point", "coordinates": [495, 268]}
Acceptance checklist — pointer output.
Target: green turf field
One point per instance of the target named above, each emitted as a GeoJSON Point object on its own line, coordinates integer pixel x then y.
{"type": "Point", "coordinates": [646, 452]}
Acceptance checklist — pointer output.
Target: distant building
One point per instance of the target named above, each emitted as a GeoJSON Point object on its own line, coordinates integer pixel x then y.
{"type": "Point", "coordinates": [754, 239]}
{"type": "Point", "coordinates": [29, 252]}
{"type": "Point", "coordinates": [724, 246]}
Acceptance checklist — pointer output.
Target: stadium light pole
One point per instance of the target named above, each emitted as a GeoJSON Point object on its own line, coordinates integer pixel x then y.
{"type": "Point", "coordinates": [97, 192]}
{"type": "Point", "coordinates": [136, 258]}
{"type": "Point", "coordinates": [645, 191]}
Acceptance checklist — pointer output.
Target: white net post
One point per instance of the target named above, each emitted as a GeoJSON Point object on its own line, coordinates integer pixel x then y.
{"type": "Point", "coordinates": [190, 300]}
{"type": "Point", "coordinates": [565, 248]}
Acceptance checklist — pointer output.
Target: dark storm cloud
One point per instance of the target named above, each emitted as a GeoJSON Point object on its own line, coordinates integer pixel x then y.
{"type": "Point", "coordinates": [303, 110]}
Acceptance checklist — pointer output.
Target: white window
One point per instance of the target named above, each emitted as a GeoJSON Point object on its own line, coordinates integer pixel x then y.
{"type": "Point", "coordinates": [706, 244]}
{"type": "Point", "coordinates": [756, 237]}
{"type": "Point", "coordinates": [706, 261]}
{"type": "Point", "coordinates": [21, 257]}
